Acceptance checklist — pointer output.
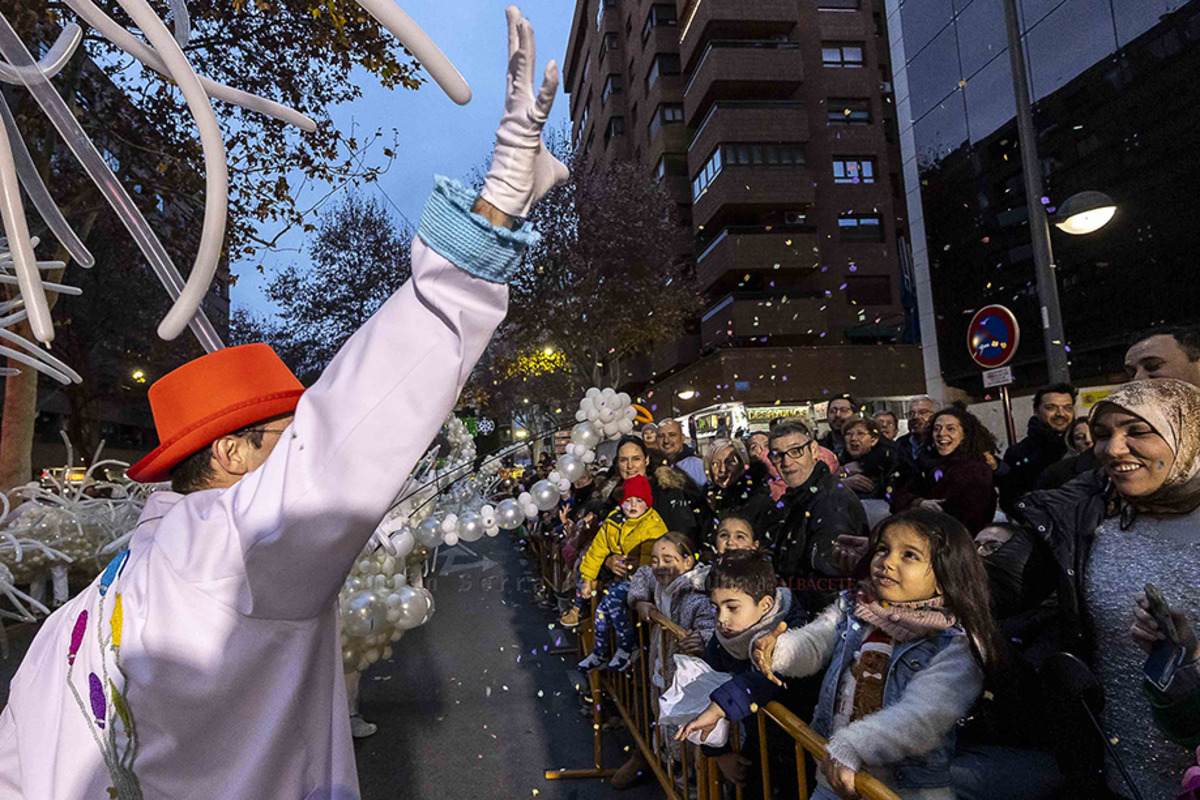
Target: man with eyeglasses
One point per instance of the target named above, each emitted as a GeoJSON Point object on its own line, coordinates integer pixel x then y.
{"type": "Point", "coordinates": [816, 511]}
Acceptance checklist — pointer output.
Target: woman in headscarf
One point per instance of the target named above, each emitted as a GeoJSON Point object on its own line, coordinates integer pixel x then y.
{"type": "Point", "coordinates": [736, 485]}
{"type": "Point", "coordinates": [1112, 531]}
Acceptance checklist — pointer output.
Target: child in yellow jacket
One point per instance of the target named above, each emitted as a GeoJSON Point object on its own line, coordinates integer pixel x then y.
{"type": "Point", "coordinates": [629, 532]}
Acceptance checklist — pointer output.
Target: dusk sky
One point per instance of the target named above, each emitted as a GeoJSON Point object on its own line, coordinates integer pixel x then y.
{"type": "Point", "coordinates": [435, 134]}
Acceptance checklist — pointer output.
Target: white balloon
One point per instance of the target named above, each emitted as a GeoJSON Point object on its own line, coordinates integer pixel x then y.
{"type": "Point", "coordinates": [589, 457]}
{"type": "Point", "coordinates": [492, 531]}
{"type": "Point", "coordinates": [607, 415]}
{"type": "Point", "coordinates": [470, 528]}
{"type": "Point", "coordinates": [581, 415]}
{"type": "Point", "coordinates": [592, 392]}
{"type": "Point", "coordinates": [612, 430]}
{"type": "Point", "coordinates": [608, 393]}
{"type": "Point", "coordinates": [630, 413]}
{"type": "Point", "coordinates": [364, 615]}
{"type": "Point", "coordinates": [624, 398]}
{"type": "Point", "coordinates": [524, 498]}
{"type": "Point", "coordinates": [449, 523]}
{"type": "Point", "coordinates": [429, 532]}
{"type": "Point", "coordinates": [555, 477]}
{"type": "Point", "coordinates": [593, 414]}
{"type": "Point", "coordinates": [585, 435]}
{"type": "Point", "coordinates": [450, 539]}
{"type": "Point", "coordinates": [531, 511]}
{"type": "Point", "coordinates": [545, 496]}
{"type": "Point", "coordinates": [510, 514]}
{"type": "Point", "coordinates": [564, 486]}
{"type": "Point", "coordinates": [570, 467]}
{"type": "Point", "coordinates": [625, 426]}
{"type": "Point", "coordinates": [413, 607]}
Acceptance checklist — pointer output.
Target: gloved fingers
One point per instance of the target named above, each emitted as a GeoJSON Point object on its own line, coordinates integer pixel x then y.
{"type": "Point", "coordinates": [545, 98]}
{"type": "Point", "coordinates": [513, 15]}
{"type": "Point", "coordinates": [524, 61]}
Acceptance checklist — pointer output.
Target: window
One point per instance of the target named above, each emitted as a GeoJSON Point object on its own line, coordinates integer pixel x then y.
{"type": "Point", "coordinates": [610, 44]}
{"type": "Point", "coordinates": [612, 85]}
{"type": "Point", "coordinates": [861, 227]}
{"type": "Point", "coordinates": [842, 55]}
{"type": "Point", "coordinates": [665, 114]}
{"type": "Point", "coordinates": [837, 5]}
{"type": "Point", "coordinates": [670, 164]}
{"type": "Point", "coordinates": [868, 290]}
{"type": "Point", "coordinates": [660, 15]}
{"type": "Point", "coordinates": [663, 64]}
{"type": "Point", "coordinates": [583, 120]}
{"type": "Point", "coordinates": [600, 6]}
{"type": "Point", "coordinates": [854, 170]}
{"type": "Point", "coordinates": [587, 148]}
{"type": "Point", "coordinates": [711, 169]}
{"type": "Point", "coordinates": [615, 129]}
{"type": "Point", "coordinates": [848, 112]}
{"type": "Point", "coordinates": [763, 155]}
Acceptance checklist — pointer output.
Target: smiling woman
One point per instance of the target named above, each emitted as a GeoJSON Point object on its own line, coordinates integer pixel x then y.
{"type": "Point", "coordinates": [1113, 531]}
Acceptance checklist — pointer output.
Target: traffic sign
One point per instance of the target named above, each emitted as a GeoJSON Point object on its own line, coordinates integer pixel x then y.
{"type": "Point", "coordinates": [993, 336]}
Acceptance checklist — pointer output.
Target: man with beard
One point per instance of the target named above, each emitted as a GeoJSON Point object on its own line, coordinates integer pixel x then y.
{"type": "Point", "coordinates": [1043, 445]}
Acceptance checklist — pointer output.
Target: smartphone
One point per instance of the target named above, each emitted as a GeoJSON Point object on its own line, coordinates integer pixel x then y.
{"type": "Point", "coordinates": [1161, 612]}
{"type": "Point", "coordinates": [1160, 667]}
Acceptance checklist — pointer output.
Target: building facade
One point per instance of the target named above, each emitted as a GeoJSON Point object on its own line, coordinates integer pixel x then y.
{"type": "Point", "coordinates": [772, 125]}
{"type": "Point", "coordinates": [1115, 108]}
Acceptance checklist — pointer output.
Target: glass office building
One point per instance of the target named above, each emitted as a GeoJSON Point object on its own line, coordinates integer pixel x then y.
{"type": "Point", "coordinates": [1117, 109]}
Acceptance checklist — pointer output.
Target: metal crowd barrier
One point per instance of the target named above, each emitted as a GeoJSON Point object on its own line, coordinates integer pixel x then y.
{"type": "Point", "coordinates": [696, 775]}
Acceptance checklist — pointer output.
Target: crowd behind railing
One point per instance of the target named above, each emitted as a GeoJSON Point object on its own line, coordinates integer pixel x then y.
{"type": "Point", "coordinates": [923, 616]}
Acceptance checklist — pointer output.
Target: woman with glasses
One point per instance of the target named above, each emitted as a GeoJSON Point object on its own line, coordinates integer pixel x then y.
{"type": "Point", "coordinates": [735, 484]}
{"type": "Point", "coordinates": [873, 467]}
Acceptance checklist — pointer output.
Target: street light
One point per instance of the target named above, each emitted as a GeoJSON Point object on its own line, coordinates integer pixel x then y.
{"type": "Point", "coordinates": [686, 394]}
{"type": "Point", "coordinates": [1085, 212]}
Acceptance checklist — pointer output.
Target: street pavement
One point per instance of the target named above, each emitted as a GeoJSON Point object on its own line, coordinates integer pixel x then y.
{"type": "Point", "coordinates": [473, 704]}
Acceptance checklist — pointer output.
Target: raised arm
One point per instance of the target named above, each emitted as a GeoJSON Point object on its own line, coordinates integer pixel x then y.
{"type": "Point", "coordinates": [293, 527]}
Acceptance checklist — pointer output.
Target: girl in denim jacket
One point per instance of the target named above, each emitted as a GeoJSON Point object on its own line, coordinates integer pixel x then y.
{"type": "Point", "coordinates": [904, 657]}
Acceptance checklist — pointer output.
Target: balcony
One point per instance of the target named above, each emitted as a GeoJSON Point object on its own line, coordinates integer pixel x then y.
{"type": "Point", "coordinates": [743, 69]}
{"type": "Point", "coordinates": [750, 121]}
{"type": "Point", "coordinates": [752, 190]}
{"type": "Point", "coordinates": [703, 19]}
{"type": "Point", "coordinates": [738, 250]}
{"type": "Point", "coordinates": [740, 319]}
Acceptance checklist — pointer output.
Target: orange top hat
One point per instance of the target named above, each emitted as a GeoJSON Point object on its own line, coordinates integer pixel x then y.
{"type": "Point", "coordinates": [212, 396]}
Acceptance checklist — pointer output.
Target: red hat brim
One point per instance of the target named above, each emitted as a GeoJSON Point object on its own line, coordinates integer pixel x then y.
{"type": "Point", "coordinates": [157, 465]}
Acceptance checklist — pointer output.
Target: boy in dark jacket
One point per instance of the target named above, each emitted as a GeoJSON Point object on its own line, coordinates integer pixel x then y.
{"type": "Point", "coordinates": [750, 603]}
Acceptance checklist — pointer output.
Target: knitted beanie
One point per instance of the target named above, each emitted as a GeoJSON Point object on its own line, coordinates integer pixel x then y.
{"type": "Point", "coordinates": [638, 486]}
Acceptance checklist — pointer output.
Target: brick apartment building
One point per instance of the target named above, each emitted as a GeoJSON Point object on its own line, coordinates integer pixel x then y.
{"type": "Point", "coordinates": [771, 123]}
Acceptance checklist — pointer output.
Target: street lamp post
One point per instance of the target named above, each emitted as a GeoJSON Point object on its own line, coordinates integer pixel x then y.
{"type": "Point", "coordinates": [1039, 227]}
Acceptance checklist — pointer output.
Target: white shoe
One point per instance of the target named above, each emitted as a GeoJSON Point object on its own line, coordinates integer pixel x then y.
{"type": "Point", "coordinates": [623, 660]}
{"type": "Point", "coordinates": [360, 728]}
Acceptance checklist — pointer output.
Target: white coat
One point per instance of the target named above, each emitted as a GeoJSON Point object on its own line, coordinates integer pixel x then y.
{"type": "Point", "coordinates": [221, 675]}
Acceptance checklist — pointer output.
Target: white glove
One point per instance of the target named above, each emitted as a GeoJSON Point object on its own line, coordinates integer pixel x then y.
{"type": "Point", "coordinates": [523, 170]}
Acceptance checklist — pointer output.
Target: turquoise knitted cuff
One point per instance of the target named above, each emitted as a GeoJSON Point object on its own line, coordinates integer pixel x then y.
{"type": "Point", "coordinates": [468, 240]}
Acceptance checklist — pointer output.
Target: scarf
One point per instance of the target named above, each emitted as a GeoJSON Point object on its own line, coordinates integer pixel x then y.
{"type": "Point", "coordinates": [1172, 408]}
{"type": "Point", "coordinates": [904, 622]}
{"type": "Point", "coordinates": [738, 645]}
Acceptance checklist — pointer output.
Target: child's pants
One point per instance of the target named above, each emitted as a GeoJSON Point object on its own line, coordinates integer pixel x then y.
{"type": "Point", "coordinates": [613, 612]}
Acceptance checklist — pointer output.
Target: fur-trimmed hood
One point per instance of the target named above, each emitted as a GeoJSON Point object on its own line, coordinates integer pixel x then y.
{"type": "Point", "coordinates": [671, 478]}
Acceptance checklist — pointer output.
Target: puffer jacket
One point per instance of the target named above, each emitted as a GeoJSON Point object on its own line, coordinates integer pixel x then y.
{"type": "Point", "coordinates": [621, 536]}
{"type": "Point", "coordinates": [684, 601]}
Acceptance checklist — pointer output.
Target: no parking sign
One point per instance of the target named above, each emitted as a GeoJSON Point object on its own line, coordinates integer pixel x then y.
{"type": "Point", "coordinates": [993, 336]}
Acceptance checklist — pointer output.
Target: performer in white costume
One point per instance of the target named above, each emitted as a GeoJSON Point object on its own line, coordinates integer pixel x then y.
{"type": "Point", "coordinates": [205, 662]}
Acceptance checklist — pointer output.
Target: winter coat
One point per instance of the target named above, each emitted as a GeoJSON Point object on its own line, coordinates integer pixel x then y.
{"type": "Point", "coordinates": [681, 503]}
{"type": "Point", "coordinates": [815, 514]}
{"type": "Point", "coordinates": [1028, 458]}
{"type": "Point", "coordinates": [625, 537]}
{"type": "Point", "coordinates": [885, 467]}
{"type": "Point", "coordinates": [684, 601]}
{"type": "Point", "coordinates": [749, 687]}
{"type": "Point", "coordinates": [1068, 469]}
{"type": "Point", "coordinates": [930, 685]}
{"type": "Point", "coordinates": [746, 497]}
{"type": "Point", "coordinates": [1066, 519]}
{"type": "Point", "coordinates": [964, 485]}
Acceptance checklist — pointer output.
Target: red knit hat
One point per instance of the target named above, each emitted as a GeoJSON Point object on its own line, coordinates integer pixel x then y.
{"type": "Point", "coordinates": [638, 486]}
{"type": "Point", "coordinates": [212, 396]}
